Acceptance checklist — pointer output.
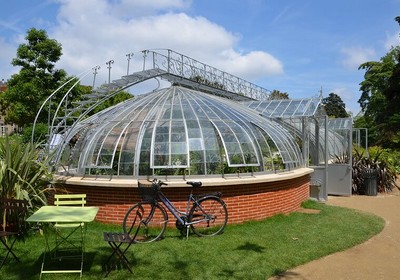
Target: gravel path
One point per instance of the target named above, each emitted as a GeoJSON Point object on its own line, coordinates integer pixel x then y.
{"type": "Point", "coordinates": [377, 258]}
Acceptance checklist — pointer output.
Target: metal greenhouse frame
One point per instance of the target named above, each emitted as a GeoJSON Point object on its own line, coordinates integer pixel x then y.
{"type": "Point", "coordinates": [204, 108]}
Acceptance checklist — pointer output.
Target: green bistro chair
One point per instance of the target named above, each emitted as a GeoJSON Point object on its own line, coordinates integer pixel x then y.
{"type": "Point", "coordinates": [65, 231]}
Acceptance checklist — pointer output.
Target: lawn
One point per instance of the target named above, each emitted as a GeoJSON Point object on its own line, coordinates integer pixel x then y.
{"type": "Point", "coordinates": [254, 250]}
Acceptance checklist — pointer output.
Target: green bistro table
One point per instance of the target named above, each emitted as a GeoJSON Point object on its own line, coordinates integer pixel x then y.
{"type": "Point", "coordinates": [63, 214]}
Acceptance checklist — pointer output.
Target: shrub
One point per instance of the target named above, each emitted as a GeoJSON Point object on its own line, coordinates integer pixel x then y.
{"type": "Point", "coordinates": [22, 175]}
{"type": "Point", "coordinates": [377, 159]}
{"type": "Point", "coordinates": [41, 130]}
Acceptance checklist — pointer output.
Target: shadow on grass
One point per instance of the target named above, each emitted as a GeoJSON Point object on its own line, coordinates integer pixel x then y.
{"type": "Point", "coordinates": [227, 274]}
{"type": "Point", "coordinates": [30, 269]}
{"type": "Point", "coordinates": [251, 247]}
{"type": "Point", "coordinates": [287, 275]}
{"type": "Point", "coordinates": [111, 263]}
{"type": "Point", "coordinates": [66, 262]}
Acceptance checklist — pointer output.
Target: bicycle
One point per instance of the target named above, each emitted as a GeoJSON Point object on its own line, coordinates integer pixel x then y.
{"type": "Point", "coordinates": [205, 214]}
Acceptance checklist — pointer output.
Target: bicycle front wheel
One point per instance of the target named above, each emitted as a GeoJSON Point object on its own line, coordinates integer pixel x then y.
{"type": "Point", "coordinates": [208, 216]}
{"type": "Point", "coordinates": [150, 218]}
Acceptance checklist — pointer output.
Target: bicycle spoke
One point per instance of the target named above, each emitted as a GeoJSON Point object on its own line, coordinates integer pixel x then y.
{"type": "Point", "coordinates": [152, 224]}
{"type": "Point", "coordinates": [209, 216]}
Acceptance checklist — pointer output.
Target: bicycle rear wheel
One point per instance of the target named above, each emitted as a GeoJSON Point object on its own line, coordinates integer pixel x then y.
{"type": "Point", "coordinates": [151, 218]}
{"type": "Point", "coordinates": [209, 216]}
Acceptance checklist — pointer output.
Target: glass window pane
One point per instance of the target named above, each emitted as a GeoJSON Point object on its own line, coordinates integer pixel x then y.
{"type": "Point", "coordinates": [196, 144]}
{"type": "Point", "coordinates": [161, 160]}
{"type": "Point", "coordinates": [178, 148]}
{"type": "Point", "coordinates": [161, 149]}
{"type": "Point", "coordinates": [197, 166]}
{"type": "Point", "coordinates": [179, 160]}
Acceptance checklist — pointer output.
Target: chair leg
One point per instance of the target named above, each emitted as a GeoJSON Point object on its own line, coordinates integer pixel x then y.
{"type": "Point", "coordinates": [62, 239]}
{"type": "Point", "coordinates": [9, 250]}
{"type": "Point", "coordinates": [119, 254]}
{"type": "Point", "coordinates": [65, 244]}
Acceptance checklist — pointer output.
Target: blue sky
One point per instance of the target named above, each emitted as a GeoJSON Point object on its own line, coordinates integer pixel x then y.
{"type": "Point", "coordinates": [298, 47]}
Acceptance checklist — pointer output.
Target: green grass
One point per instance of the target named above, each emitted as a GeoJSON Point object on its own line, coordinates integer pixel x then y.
{"type": "Point", "coordinates": [254, 250]}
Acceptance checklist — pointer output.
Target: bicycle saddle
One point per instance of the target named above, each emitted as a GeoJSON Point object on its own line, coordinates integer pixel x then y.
{"type": "Point", "coordinates": [195, 184]}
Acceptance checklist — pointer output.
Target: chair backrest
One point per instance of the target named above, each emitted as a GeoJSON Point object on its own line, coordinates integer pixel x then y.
{"type": "Point", "coordinates": [13, 213]}
{"type": "Point", "coordinates": [70, 200]}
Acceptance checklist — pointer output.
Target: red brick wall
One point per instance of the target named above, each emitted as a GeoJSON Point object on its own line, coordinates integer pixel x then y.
{"type": "Point", "coordinates": [244, 202]}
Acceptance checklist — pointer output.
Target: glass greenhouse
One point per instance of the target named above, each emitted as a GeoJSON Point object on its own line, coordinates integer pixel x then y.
{"type": "Point", "coordinates": [205, 123]}
{"type": "Point", "coordinates": [179, 131]}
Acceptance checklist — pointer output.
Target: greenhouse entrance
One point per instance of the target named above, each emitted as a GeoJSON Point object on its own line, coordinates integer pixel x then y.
{"type": "Point", "coordinates": [340, 147]}
{"type": "Point", "coordinates": [326, 143]}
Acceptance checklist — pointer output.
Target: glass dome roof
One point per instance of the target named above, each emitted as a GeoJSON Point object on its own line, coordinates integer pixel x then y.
{"type": "Point", "coordinates": [179, 131]}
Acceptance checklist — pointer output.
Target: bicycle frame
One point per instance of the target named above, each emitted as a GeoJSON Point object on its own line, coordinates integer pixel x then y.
{"type": "Point", "coordinates": [206, 214]}
{"type": "Point", "coordinates": [172, 208]}
{"type": "Point", "coordinates": [175, 211]}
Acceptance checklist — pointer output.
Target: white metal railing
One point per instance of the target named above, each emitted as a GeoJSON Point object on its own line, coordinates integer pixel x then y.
{"type": "Point", "coordinates": [188, 68]}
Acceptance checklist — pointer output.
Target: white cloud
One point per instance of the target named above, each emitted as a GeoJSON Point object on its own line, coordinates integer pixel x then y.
{"type": "Point", "coordinates": [349, 97]}
{"type": "Point", "coordinates": [344, 93]}
{"type": "Point", "coordinates": [355, 56]}
{"type": "Point", "coordinates": [6, 54]}
{"type": "Point", "coordinates": [392, 41]}
{"type": "Point", "coordinates": [253, 65]}
{"type": "Point", "coordinates": [93, 31]}
{"type": "Point", "coordinates": [129, 8]}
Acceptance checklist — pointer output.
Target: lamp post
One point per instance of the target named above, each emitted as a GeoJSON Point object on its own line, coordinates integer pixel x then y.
{"type": "Point", "coordinates": [129, 56]}
{"type": "Point", "coordinates": [95, 69]}
{"type": "Point", "coordinates": [145, 52]}
{"type": "Point", "coordinates": [109, 69]}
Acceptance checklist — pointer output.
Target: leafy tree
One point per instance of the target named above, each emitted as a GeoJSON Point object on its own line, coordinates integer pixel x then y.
{"type": "Point", "coordinates": [41, 131]}
{"type": "Point", "coordinates": [379, 99]}
{"type": "Point", "coordinates": [334, 106]}
{"type": "Point", "coordinates": [276, 95]}
{"type": "Point", "coordinates": [360, 121]}
{"type": "Point", "coordinates": [36, 80]}
{"type": "Point", "coordinates": [118, 98]}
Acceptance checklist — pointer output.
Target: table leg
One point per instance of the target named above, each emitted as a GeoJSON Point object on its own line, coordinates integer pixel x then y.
{"type": "Point", "coordinates": [50, 251]}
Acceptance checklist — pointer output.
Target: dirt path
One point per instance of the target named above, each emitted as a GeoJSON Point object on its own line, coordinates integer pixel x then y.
{"type": "Point", "coordinates": [377, 258]}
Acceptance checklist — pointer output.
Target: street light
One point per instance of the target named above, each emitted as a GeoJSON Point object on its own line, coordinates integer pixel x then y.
{"type": "Point", "coordinates": [109, 69]}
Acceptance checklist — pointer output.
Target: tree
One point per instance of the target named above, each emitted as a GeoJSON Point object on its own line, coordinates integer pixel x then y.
{"type": "Point", "coordinates": [379, 99]}
{"type": "Point", "coordinates": [36, 80]}
{"type": "Point", "coordinates": [334, 106]}
{"type": "Point", "coordinates": [276, 95]}
{"type": "Point", "coordinates": [118, 98]}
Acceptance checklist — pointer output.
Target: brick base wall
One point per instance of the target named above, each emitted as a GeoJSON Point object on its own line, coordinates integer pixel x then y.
{"type": "Point", "coordinates": [244, 202]}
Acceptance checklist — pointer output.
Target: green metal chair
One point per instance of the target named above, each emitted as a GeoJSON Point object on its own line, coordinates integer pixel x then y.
{"type": "Point", "coordinates": [66, 230]}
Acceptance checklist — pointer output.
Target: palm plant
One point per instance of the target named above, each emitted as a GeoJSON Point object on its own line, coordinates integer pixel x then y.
{"type": "Point", "coordinates": [386, 173]}
{"type": "Point", "coordinates": [22, 175]}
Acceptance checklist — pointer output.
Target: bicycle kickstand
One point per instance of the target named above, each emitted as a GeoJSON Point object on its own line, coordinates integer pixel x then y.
{"type": "Point", "coordinates": [187, 232]}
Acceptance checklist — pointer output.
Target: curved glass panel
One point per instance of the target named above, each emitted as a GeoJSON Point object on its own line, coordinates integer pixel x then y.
{"type": "Point", "coordinates": [179, 131]}
{"type": "Point", "coordinates": [284, 108]}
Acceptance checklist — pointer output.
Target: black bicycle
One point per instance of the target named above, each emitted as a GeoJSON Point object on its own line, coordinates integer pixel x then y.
{"type": "Point", "coordinates": [205, 214]}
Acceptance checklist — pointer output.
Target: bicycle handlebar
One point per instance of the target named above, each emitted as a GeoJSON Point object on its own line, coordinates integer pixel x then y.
{"type": "Point", "coordinates": [158, 183]}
